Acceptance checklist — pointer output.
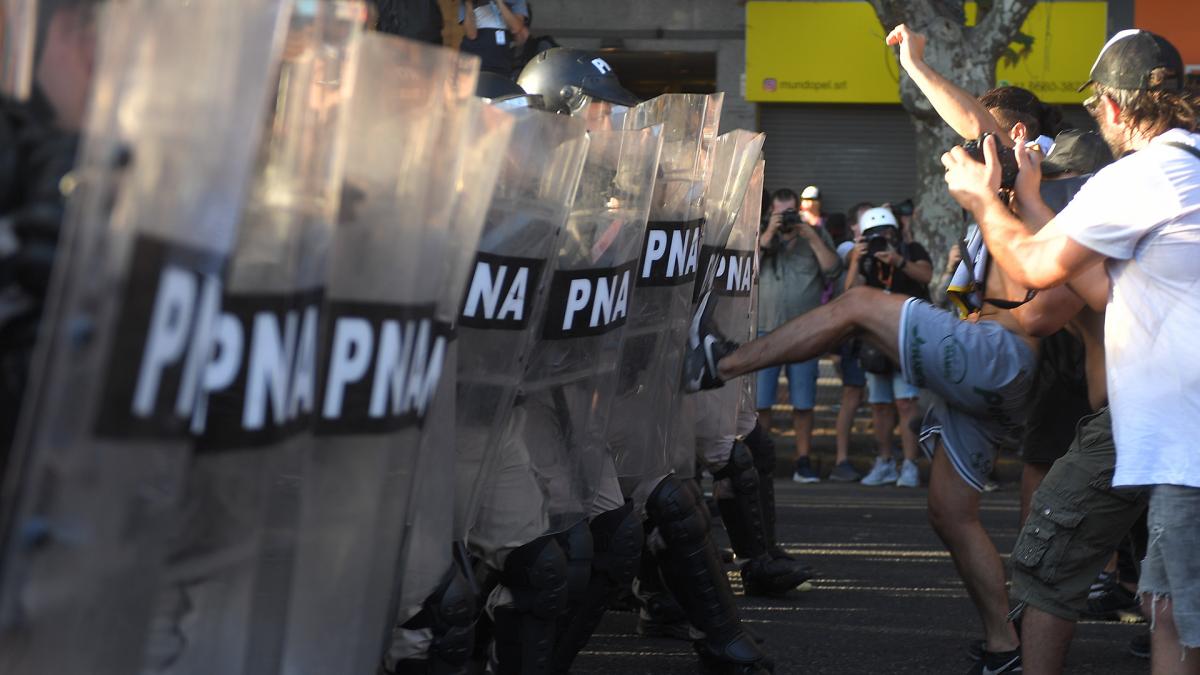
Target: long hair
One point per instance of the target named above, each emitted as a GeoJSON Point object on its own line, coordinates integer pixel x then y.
{"type": "Point", "coordinates": [1155, 110]}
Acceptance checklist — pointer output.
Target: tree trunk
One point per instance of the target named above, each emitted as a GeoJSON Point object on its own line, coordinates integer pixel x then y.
{"type": "Point", "coordinates": [966, 56]}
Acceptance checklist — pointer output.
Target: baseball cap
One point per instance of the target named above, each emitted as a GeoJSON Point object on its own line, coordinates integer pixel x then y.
{"type": "Point", "coordinates": [1075, 150]}
{"type": "Point", "coordinates": [810, 192]}
{"type": "Point", "coordinates": [1128, 58]}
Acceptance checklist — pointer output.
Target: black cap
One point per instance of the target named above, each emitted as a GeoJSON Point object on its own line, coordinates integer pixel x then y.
{"type": "Point", "coordinates": [1079, 151]}
{"type": "Point", "coordinates": [1129, 57]}
{"type": "Point", "coordinates": [564, 76]}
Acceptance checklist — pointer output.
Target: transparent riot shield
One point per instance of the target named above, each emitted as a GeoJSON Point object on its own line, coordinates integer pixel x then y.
{"type": "Point", "coordinates": [734, 264]}
{"type": "Point", "coordinates": [19, 32]}
{"type": "Point", "coordinates": [507, 294]}
{"type": "Point", "coordinates": [652, 350]}
{"type": "Point", "coordinates": [431, 528]}
{"type": "Point", "coordinates": [178, 95]}
{"type": "Point", "coordinates": [568, 386]}
{"type": "Point", "coordinates": [730, 165]}
{"type": "Point", "coordinates": [259, 389]}
{"type": "Point", "coordinates": [380, 359]}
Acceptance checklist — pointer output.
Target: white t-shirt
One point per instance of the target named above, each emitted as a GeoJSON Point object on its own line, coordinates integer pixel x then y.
{"type": "Point", "coordinates": [1143, 213]}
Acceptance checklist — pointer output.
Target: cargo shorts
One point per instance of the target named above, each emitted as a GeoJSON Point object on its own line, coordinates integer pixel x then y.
{"type": "Point", "coordinates": [1076, 521]}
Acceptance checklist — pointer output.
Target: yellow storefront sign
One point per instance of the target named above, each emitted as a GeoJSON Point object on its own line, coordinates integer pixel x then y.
{"type": "Point", "coordinates": [833, 52]}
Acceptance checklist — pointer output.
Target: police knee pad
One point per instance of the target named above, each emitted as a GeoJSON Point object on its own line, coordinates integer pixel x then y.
{"type": "Point", "coordinates": [576, 544]}
{"type": "Point", "coordinates": [536, 575]}
{"type": "Point", "coordinates": [740, 470]}
{"type": "Point", "coordinates": [617, 538]}
{"type": "Point", "coordinates": [676, 512]}
{"type": "Point", "coordinates": [449, 613]}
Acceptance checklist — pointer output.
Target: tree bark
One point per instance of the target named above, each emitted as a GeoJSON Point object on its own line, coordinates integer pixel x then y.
{"type": "Point", "coordinates": [966, 56]}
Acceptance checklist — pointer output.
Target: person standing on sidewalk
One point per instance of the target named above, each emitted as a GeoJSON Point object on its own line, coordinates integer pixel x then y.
{"type": "Point", "coordinates": [798, 261]}
{"type": "Point", "coordinates": [854, 380]}
{"type": "Point", "coordinates": [883, 258]}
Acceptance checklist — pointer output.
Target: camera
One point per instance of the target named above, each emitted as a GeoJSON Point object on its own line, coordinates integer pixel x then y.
{"type": "Point", "coordinates": [1008, 159]}
{"type": "Point", "coordinates": [878, 240]}
{"type": "Point", "coordinates": [788, 220]}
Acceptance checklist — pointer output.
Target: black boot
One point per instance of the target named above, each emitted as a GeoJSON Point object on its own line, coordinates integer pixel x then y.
{"type": "Point", "coordinates": [677, 509]}
{"type": "Point", "coordinates": [617, 544]}
{"type": "Point", "coordinates": [523, 632]}
{"type": "Point", "coordinates": [742, 513]}
{"type": "Point", "coordinates": [762, 447]}
{"type": "Point", "coordinates": [660, 614]}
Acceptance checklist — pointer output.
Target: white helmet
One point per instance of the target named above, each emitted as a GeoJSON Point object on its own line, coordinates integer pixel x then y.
{"type": "Point", "coordinates": [876, 217]}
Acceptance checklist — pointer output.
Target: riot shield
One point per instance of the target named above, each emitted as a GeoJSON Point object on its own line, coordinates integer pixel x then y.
{"type": "Point", "coordinates": [101, 453]}
{"type": "Point", "coordinates": [507, 295]}
{"type": "Point", "coordinates": [734, 264]}
{"type": "Point", "coordinates": [652, 349]}
{"type": "Point", "coordinates": [731, 163]}
{"type": "Point", "coordinates": [568, 385]}
{"type": "Point", "coordinates": [426, 552]}
{"type": "Point", "coordinates": [257, 395]}
{"type": "Point", "coordinates": [19, 31]}
{"type": "Point", "coordinates": [380, 355]}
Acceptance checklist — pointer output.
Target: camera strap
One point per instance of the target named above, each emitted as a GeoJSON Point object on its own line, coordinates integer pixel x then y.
{"type": "Point", "coordinates": [970, 263]}
{"type": "Point", "coordinates": [1183, 146]}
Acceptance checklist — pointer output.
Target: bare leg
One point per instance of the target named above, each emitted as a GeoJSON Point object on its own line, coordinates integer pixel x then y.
{"type": "Point", "coordinates": [851, 398]}
{"type": "Point", "coordinates": [908, 411]}
{"type": "Point", "coordinates": [869, 310]}
{"type": "Point", "coordinates": [1044, 643]}
{"type": "Point", "coordinates": [883, 419]}
{"type": "Point", "coordinates": [1167, 656]}
{"type": "Point", "coordinates": [802, 422]}
{"type": "Point", "coordinates": [954, 514]}
{"type": "Point", "coordinates": [1031, 477]}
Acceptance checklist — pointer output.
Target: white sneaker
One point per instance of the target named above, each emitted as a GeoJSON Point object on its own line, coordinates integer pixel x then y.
{"type": "Point", "coordinates": [909, 476]}
{"type": "Point", "coordinates": [883, 473]}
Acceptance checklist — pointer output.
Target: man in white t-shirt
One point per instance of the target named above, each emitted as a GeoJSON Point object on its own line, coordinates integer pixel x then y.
{"type": "Point", "coordinates": [1140, 217]}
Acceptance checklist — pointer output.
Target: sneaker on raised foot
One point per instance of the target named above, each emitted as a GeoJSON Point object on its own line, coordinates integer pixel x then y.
{"type": "Point", "coordinates": [804, 472]}
{"type": "Point", "coordinates": [705, 348]}
{"type": "Point", "coordinates": [844, 473]}
{"type": "Point", "coordinates": [883, 473]}
{"type": "Point", "coordinates": [994, 663]}
{"type": "Point", "coordinates": [909, 475]}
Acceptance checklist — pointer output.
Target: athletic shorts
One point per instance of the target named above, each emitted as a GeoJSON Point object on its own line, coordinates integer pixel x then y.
{"type": "Point", "coordinates": [1172, 566]}
{"type": "Point", "coordinates": [1076, 521]}
{"type": "Point", "coordinates": [980, 374]}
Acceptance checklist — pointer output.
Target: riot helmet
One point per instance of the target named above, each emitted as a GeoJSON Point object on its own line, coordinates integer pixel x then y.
{"type": "Point", "coordinates": [568, 79]}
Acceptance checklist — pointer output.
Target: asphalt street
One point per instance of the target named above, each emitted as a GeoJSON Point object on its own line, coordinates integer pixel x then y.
{"type": "Point", "coordinates": [886, 599]}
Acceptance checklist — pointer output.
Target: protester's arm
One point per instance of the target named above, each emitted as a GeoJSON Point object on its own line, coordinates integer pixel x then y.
{"type": "Point", "coordinates": [1028, 187]}
{"type": "Point", "coordinates": [1049, 311]}
{"type": "Point", "coordinates": [962, 111]}
{"type": "Point", "coordinates": [1042, 260]}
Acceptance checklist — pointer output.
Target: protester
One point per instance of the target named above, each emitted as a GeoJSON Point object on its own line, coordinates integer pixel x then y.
{"type": "Point", "coordinates": [798, 261]}
{"type": "Point", "coordinates": [1149, 246]}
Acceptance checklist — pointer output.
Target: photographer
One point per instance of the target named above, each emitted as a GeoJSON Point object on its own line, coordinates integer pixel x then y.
{"type": "Point", "coordinates": [882, 258]}
{"type": "Point", "coordinates": [798, 261]}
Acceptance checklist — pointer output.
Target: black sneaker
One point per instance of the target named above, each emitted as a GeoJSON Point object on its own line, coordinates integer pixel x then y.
{"type": "Point", "coordinates": [1110, 601]}
{"type": "Point", "coordinates": [994, 663]}
{"type": "Point", "coordinates": [705, 348]}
